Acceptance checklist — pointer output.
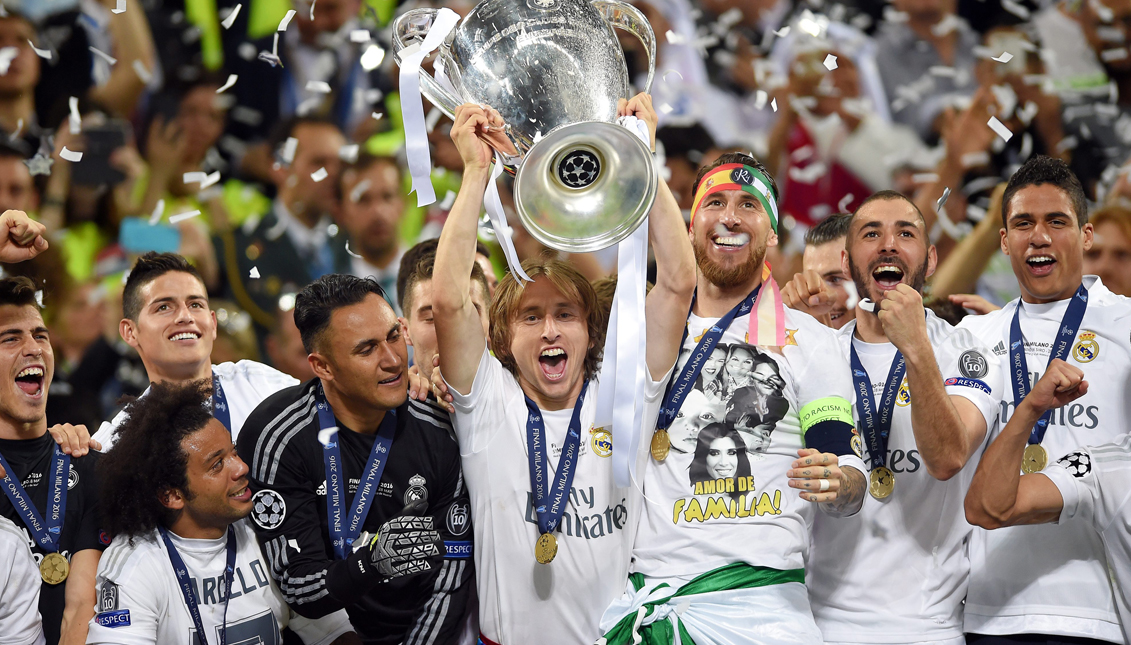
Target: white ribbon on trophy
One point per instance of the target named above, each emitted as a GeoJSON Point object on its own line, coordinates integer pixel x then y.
{"type": "Point", "coordinates": [503, 230]}
{"type": "Point", "coordinates": [416, 132]}
{"type": "Point", "coordinates": [624, 368]}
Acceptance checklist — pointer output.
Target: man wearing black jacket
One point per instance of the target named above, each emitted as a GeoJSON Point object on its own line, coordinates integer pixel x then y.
{"type": "Point", "coordinates": [318, 454]}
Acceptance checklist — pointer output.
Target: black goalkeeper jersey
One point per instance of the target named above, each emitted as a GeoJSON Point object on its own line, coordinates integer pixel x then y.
{"type": "Point", "coordinates": [279, 441]}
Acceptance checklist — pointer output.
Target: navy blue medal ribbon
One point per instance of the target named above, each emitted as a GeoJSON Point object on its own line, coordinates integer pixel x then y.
{"type": "Point", "coordinates": [1019, 366]}
{"type": "Point", "coordinates": [46, 531]}
{"type": "Point", "coordinates": [185, 584]}
{"type": "Point", "coordinates": [549, 499]}
{"type": "Point", "coordinates": [220, 404]}
{"type": "Point", "coordinates": [343, 530]}
{"type": "Point", "coordinates": [876, 421]}
{"type": "Point", "coordinates": [684, 382]}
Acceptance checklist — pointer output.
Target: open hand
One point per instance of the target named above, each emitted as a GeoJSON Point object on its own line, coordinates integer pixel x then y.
{"type": "Point", "coordinates": [817, 474]}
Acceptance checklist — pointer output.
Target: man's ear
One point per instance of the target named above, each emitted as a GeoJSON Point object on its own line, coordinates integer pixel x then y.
{"type": "Point", "coordinates": [172, 499]}
{"type": "Point", "coordinates": [407, 334]}
{"type": "Point", "coordinates": [127, 329]}
{"type": "Point", "coordinates": [321, 366]}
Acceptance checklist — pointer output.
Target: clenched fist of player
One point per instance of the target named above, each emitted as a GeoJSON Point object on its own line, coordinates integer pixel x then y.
{"type": "Point", "coordinates": [808, 292]}
{"type": "Point", "coordinates": [904, 320]}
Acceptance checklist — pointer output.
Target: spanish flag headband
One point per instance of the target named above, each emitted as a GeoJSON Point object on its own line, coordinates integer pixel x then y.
{"type": "Point", "coordinates": [736, 176]}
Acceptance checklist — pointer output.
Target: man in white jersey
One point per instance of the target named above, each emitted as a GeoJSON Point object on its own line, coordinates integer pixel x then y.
{"type": "Point", "coordinates": [1088, 486]}
{"type": "Point", "coordinates": [925, 395]}
{"type": "Point", "coordinates": [719, 556]}
{"type": "Point", "coordinates": [165, 317]}
{"type": "Point", "coordinates": [20, 622]}
{"type": "Point", "coordinates": [544, 576]}
{"type": "Point", "coordinates": [184, 566]}
{"type": "Point", "coordinates": [1041, 580]}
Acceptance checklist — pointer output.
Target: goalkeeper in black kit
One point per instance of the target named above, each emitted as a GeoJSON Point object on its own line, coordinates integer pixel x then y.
{"type": "Point", "coordinates": [359, 502]}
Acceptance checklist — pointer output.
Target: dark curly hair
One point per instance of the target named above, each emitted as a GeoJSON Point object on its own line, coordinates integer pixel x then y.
{"type": "Point", "coordinates": [147, 458]}
{"type": "Point", "coordinates": [19, 291]}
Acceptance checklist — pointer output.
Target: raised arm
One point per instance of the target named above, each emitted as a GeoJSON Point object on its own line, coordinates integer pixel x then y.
{"type": "Point", "coordinates": [666, 307]}
{"type": "Point", "coordinates": [999, 495]}
{"type": "Point", "coordinates": [459, 334]}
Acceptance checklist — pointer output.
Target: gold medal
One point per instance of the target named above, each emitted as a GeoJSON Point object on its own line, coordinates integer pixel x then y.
{"type": "Point", "coordinates": [546, 548]}
{"type": "Point", "coordinates": [881, 482]}
{"type": "Point", "coordinates": [661, 444]}
{"type": "Point", "coordinates": [1035, 459]}
{"type": "Point", "coordinates": [54, 568]}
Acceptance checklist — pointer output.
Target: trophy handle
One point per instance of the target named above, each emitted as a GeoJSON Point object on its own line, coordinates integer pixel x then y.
{"type": "Point", "coordinates": [410, 28]}
{"type": "Point", "coordinates": [627, 17]}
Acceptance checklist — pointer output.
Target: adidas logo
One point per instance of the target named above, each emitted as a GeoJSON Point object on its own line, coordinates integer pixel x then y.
{"type": "Point", "coordinates": [999, 349]}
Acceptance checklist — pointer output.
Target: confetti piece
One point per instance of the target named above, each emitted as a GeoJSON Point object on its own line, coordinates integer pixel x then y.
{"type": "Point", "coordinates": [1015, 8]}
{"type": "Point", "coordinates": [272, 57]}
{"type": "Point", "coordinates": [319, 175]}
{"type": "Point", "coordinates": [142, 73]}
{"type": "Point", "coordinates": [999, 128]}
{"type": "Point", "coordinates": [360, 36]}
{"type": "Point", "coordinates": [45, 54]}
{"type": "Point", "coordinates": [830, 62]}
{"type": "Point", "coordinates": [312, 3]}
{"type": "Point", "coordinates": [294, 545]}
{"type": "Point", "coordinates": [774, 104]}
{"type": "Point", "coordinates": [348, 153]}
{"type": "Point", "coordinates": [289, 149]}
{"type": "Point", "coordinates": [286, 21]}
{"type": "Point", "coordinates": [842, 205]}
{"type": "Point", "coordinates": [867, 305]}
{"type": "Point", "coordinates": [210, 180]}
{"type": "Point", "coordinates": [942, 200]}
{"type": "Point", "coordinates": [377, 116]}
{"type": "Point", "coordinates": [1004, 58]}
{"type": "Point", "coordinates": [760, 99]}
{"type": "Point", "coordinates": [666, 109]}
{"type": "Point", "coordinates": [254, 273]}
{"type": "Point", "coordinates": [449, 199]}
{"type": "Point", "coordinates": [228, 84]}
{"type": "Point", "coordinates": [194, 177]}
{"type": "Point", "coordinates": [19, 128]}
{"type": "Point", "coordinates": [103, 55]}
{"type": "Point", "coordinates": [671, 72]}
{"type": "Point", "coordinates": [783, 32]}
{"type": "Point", "coordinates": [40, 164]}
{"type": "Point", "coordinates": [1112, 55]}
{"type": "Point", "coordinates": [925, 177]}
{"type": "Point", "coordinates": [372, 56]}
{"type": "Point", "coordinates": [158, 211]}
{"type": "Point", "coordinates": [227, 24]}
{"type": "Point", "coordinates": [180, 217]}
{"type": "Point", "coordinates": [6, 56]}
{"type": "Point", "coordinates": [75, 119]}
{"type": "Point", "coordinates": [351, 253]}
{"type": "Point", "coordinates": [119, 7]}
{"type": "Point", "coordinates": [322, 87]}
{"type": "Point", "coordinates": [70, 155]}
{"type": "Point", "coordinates": [674, 38]}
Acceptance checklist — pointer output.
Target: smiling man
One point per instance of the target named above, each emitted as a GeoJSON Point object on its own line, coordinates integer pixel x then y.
{"type": "Point", "coordinates": [1044, 580]}
{"type": "Point", "coordinates": [337, 459]}
{"type": "Point", "coordinates": [824, 245]}
{"type": "Point", "coordinates": [166, 318]}
{"type": "Point", "coordinates": [925, 395]}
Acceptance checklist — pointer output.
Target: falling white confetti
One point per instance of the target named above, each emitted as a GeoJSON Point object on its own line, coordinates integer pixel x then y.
{"type": "Point", "coordinates": [360, 36]}
{"type": "Point", "coordinates": [6, 56]}
{"type": "Point", "coordinates": [830, 62]}
{"type": "Point", "coordinates": [674, 38]}
{"type": "Point", "coordinates": [867, 305]}
{"type": "Point", "coordinates": [272, 57]}
{"type": "Point", "coordinates": [999, 128]}
{"type": "Point", "coordinates": [286, 20]}
{"type": "Point", "coordinates": [350, 252]}
{"type": "Point", "coordinates": [774, 104]}
{"type": "Point", "coordinates": [75, 119]}
{"type": "Point", "coordinates": [119, 7]}
{"type": "Point", "coordinates": [42, 53]}
{"type": "Point", "coordinates": [358, 190]}
{"type": "Point", "coordinates": [210, 180]}
{"type": "Point", "coordinates": [666, 109]}
{"type": "Point", "coordinates": [322, 87]}
{"type": "Point", "coordinates": [158, 211]}
{"type": "Point", "coordinates": [103, 55]}
{"type": "Point", "coordinates": [227, 24]}
{"type": "Point", "coordinates": [19, 128]}
{"type": "Point", "coordinates": [40, 164]}
{"type": "Point", "coordinates": [289, 149]}
{"type": "Point", "coordinates": [783, 32]}
{"type": "Point", "coordinates": [669, 73]}
{"type": "Point", "coordinates": [228, 84]}
{"type": "Point", "coordinates": [942, 200]}
{"type": "Point", "coordinates": [70, 155]}
{"type": "Point", "coordinates": [842, 205]}
{"type": "Point", "coordinates": [925, 177]}
{"type": "Point", "coordinates": [760, 99]}
{"type": "Point", "coordinates": [377, 116]}
{"type": "Point", "coordinates": [853, 295]}
{"type": "Point", "coordinates": [194, 177]}
{"type": "Point", "coordinates": [294, 545]}
{"type": "Point", "coordinates": [325, 433]}
{"type": "Point", "coordinates": [1004, 58]}
{"type": "Point", "coordinates": [449, 199]}
{"type": "Point", "coordinates": [180, 217]}
{"type": "Point", "coordinates": [142, 73]}
{"type": "Point", "coordinates": [254, 273]}
{"type": "Point", "coordinates": [312, 3]}
{"type": "Point", "coordinates": [1112, 55]}
{"type": "Point", "coordinates": [319, 175]}
{"type": "Point", "coordinates": [372, 56]}
{"type": "Point", "coordinates": [348, 153]}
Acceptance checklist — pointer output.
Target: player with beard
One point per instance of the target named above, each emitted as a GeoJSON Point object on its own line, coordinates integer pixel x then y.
{"type": "Point", "coordinates": [925, 394]}
{"type": "Point", "coordinates": [549, 562]}
{"type": "Point", "coordinates": [707, 563]}
{"type": "Point", "coordinates": [1043, 583]}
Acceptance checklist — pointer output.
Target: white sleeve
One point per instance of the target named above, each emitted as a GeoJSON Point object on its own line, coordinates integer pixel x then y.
{"type": "Point", "coordinates": [129, 613]}
{"type": "Point", "coordinates": [1078, 481]}
{"type": "Point", "coordinates": [971, 371]}
{"type": "Point", "coordinates": [20, 623]}
{"type": "Point", "coordinates": [322, 631]}
{"type": "Point", "coordinates": [479, 413]}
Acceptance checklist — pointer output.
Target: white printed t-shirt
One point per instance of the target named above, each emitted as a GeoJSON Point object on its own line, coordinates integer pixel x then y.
{"type": "Point", "coordinates": [245, 384]}
{"type": "Point", "coordinates": [688, 527]}
{"type": "Point", "coordinates": [1095, 483]}
{"type": "Point", "coordinates": [140, 601]}
{"type": "Point", "coordinates": [520, 600]}
{"type": "Point", "coordinates": [20, 623]}
{"type": "Point", "coordinates": [896, 572]}
{"type": "Point", "coordinates": [1051, 579]}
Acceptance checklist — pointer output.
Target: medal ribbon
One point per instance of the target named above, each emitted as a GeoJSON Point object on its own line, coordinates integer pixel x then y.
{"type": "Point", "coordinates": [220, 404]}
{"type": "Point", "coordinates": [1019, 366]}
{"type": "Point", "coordinates": [343, 533]}
{"type": "Point", "coordinates": [877, 423]}
{"type": "Point", "coordinates": [684, 382]}
{"type": "Point", "coordinates": [46, 532]}
{"type": "Point", "coordinates": [549, 500]}
{"type": "Point", "coordinates": [185, 583]}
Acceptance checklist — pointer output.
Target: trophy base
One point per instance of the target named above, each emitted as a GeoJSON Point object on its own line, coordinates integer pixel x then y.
{"type": "Point", "coordinates": [585, 186]}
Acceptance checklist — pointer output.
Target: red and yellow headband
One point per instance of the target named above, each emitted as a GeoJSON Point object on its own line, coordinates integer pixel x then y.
{"type": "Point", "coordinates": [736, 176]}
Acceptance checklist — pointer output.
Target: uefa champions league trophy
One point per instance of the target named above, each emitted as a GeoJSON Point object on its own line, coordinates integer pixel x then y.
{"type": "Point", "coordinates": [554, 70]}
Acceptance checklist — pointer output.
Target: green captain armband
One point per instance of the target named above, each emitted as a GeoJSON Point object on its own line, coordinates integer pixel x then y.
{"type": "Point", "coordinates": [824, 412]}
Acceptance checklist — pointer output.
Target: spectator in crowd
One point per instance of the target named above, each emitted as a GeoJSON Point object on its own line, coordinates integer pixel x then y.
{"type": "Point", "coordinates": [17, 87]}
{"type": "Point", "coordinates": [284, 344]}
{"type": "Point", "coordinates": [824, 248]}
{"type": "Point", "coordinates": [373, 203]}
{"type": "Point", "coordinates": [1110, 255]}
{"type": "Point", "coordinates": [17, 186]}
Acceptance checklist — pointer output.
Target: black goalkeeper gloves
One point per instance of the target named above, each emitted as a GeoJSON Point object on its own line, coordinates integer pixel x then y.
{"type": "Point", "coordinates": [405, 545]}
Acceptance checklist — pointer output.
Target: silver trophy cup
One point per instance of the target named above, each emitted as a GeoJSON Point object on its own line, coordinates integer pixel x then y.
{"type": "Point", "coordinates": [554, 71]}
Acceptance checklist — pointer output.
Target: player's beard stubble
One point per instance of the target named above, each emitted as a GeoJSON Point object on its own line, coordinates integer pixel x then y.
{"type": "Point", "coordinates": [742, 274]}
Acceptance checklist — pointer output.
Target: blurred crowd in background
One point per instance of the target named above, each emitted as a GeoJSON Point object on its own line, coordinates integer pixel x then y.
{"type": "Point", "coordinates": [266, 144]}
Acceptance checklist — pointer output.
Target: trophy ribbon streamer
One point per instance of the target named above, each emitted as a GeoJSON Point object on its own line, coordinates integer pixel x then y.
{"type": "Point", "coordinates": [494, 207]}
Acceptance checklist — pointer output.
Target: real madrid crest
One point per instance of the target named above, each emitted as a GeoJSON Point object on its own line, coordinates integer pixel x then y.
{"type": "Point", "coordinates": [602, 441]}
{"type": "Point", "coordinates": [416, 489]}
{"type": "Point", "coordinates": [903, 398]}
{"type": "Point", "coordinates": [1087, 348]}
